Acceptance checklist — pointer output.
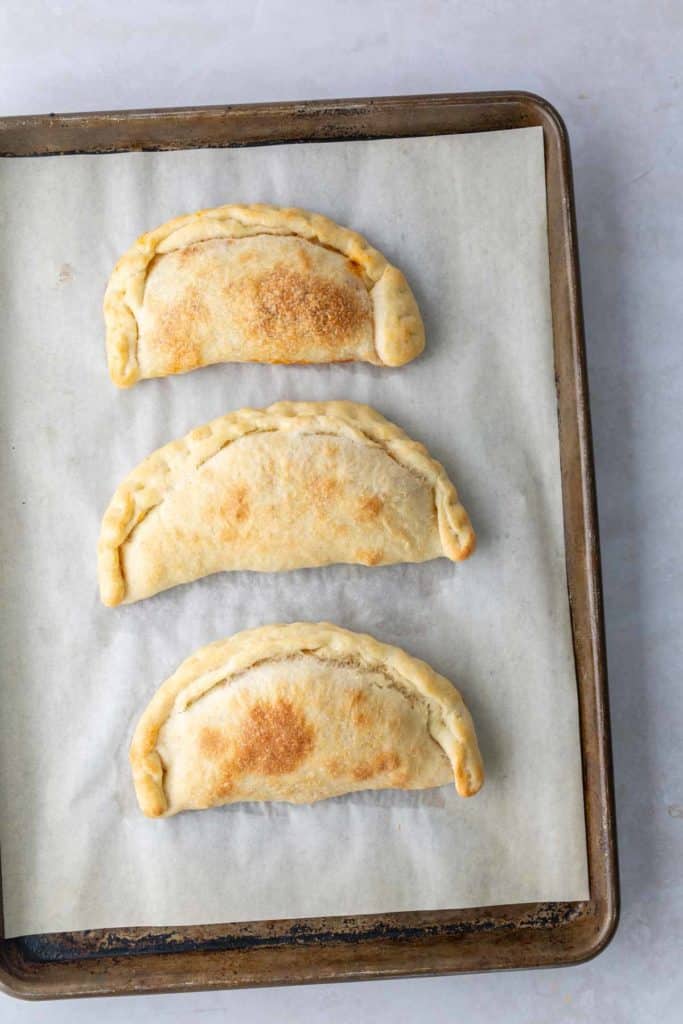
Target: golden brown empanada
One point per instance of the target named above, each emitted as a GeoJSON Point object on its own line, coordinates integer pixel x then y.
{"type": "Point", "coordinates": [300, 713]}
{"type": "Point", "coordinates": [255, 284]}
{"type": "Point", "coordinates": [297, 485]}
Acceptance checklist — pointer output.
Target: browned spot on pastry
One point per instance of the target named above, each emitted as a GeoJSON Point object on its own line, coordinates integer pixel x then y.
{"type": "Point", "coordinates": [334, 766]}
{"type": "Point", "coordinates": [226, 783]}
{"type": "Point", "coordinates": [227, 533]}
{"type": "Point", "coordinates": [276, 738]}
{"type": "Point", "coordinates": [212, 743]}
{"type": "Point", "coordinates": [241, 499]}
{"type": "Point", "coordinates": [286, 309]}
{"type": "Point", "coordinates": [246, 256]}
{"type": "Point", "coordinates": [323, 489]}
{"type": "Point", "coordinates": [188, 252]}
{"type": "Point", "coordinates": [356, 707]}
{"type": "Point", "coordinates": [467, 546]}
{"type": "Point", "coordinates": [176, 338]}
{"type": "Point", "coordinates": [233, 508]}
{"type": "Point", "coordinates": [385, 761]}
{"type": "Point", "coordinates": [369, 507]}
{"type": "Point", "coordinates": [179, 352]}
{"type": "Point", "coordinates": [369, 556]}
{"type": "Point", "coordinates": [320, 306]}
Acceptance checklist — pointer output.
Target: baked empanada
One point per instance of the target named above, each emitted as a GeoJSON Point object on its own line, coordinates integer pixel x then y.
{"type": "Point", "coordinates": [255, 284]}
{"type": "Point", "coordinates": [297, 485]}
{"type": "Point", "coordinates": [300, 713]}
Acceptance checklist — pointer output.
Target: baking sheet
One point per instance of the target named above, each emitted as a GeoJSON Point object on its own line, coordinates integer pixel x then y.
{"type": "Point", "coordinates": [464, 216]}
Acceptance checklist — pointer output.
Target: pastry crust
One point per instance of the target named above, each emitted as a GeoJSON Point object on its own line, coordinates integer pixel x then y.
{"type": "Point", "coordinates": [255, 283]}
{"type": "Point", "coordinates": [296, 485]}
{"type": "Point", "coordinates": [300, 713]}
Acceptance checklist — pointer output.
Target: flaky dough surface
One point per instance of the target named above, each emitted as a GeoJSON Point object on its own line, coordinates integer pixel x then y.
{"type": "Point", "coordinates": [299, 713]}
{"type": "Point", "coordinates": [296, 485]}
{"type": "Point", "coordinates": [255, 283]}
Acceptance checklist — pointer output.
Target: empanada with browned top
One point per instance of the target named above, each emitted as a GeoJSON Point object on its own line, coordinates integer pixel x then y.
{"type": "Point", "coordinates": [255, 284]}
{"type": "Point", "coordinates": [296, 485]}
{"type": "Point", "coordinates": [300, 713]}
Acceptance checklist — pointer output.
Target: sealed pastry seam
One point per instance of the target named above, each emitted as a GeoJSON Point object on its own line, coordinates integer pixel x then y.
{"type": "Point", "coordinates": [155, 479]}
{"type": "Point", "coordinates": [227, 662]}
{"type": "Point", "coordinates": [398, 332]}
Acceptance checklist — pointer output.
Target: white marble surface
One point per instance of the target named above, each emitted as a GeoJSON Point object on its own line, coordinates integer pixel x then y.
{"type": "Point", "coordinates": [614, 72]}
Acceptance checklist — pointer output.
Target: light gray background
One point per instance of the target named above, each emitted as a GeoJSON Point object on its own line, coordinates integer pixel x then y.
{"type": "Point", "coordinates": [614, 71]}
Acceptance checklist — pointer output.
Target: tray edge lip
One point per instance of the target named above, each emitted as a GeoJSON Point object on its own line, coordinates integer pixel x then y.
{"type": "Point", "coordinates": [611, 903]}
{"type": "Point", "coordinates": [216, 109]}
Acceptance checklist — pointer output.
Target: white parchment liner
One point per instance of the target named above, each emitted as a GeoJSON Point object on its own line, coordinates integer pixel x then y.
{"type": "Point", "coordinates": [465, 218]}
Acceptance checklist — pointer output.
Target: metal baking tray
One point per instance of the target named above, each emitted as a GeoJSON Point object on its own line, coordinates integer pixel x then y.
{"type": "Point", "coordinates": [128, 960]}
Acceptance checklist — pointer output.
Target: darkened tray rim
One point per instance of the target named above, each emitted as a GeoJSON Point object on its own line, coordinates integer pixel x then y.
{"type": "Point", "coordinates": [139, 960]}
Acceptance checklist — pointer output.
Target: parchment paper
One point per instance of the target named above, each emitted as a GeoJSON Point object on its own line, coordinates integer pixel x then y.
{"type": "Point", "coordinates": [465, 218]}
